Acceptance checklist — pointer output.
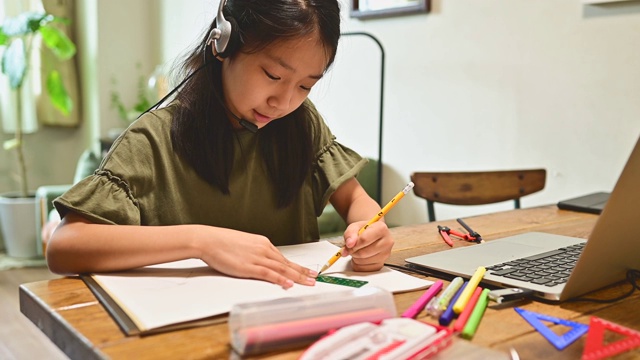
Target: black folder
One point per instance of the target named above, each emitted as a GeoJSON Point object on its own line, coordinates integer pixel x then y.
{"type": "Point", "coordinates": [591, 203]}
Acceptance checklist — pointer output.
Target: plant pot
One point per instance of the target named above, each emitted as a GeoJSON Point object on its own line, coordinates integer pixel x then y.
{"type": "Point", "coordinates": [18, 224]}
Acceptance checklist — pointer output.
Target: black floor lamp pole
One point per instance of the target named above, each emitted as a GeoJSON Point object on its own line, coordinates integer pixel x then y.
{"type": "Point", "coordinates": [358, 33]}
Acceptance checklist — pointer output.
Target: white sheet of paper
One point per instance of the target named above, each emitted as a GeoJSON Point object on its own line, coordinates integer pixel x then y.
{"type": "Point", "coordinates": [180, 291]}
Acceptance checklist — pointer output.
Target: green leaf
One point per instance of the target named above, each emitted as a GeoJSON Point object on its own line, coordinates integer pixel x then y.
{"type": "Point", "coordinates": [10, 144]}
{"type": "Point", "coordinates": [58, 42]}
{"type": "Point", "coordinates": [142, 105]}
{"type": "Point", "coordinates": [4, 39]}
{"type": "Point", "coordinates": [58, 93]}
{"type": "Point", "coordinates": [14, 63]}
{"type": "Point", "coordinates": [23, 24]}
{"type": "Point", "coordinates": [117, 103]}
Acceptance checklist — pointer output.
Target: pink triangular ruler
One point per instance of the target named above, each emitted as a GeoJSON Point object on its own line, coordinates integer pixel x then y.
{"type": "Point", "coordinates": [595, 349]}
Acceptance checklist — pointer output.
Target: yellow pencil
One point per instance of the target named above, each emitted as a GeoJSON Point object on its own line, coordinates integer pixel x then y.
{"type": "Point", "coordinates": [378, 216]}
{"type": "Point", "coordinates": [468, 291]}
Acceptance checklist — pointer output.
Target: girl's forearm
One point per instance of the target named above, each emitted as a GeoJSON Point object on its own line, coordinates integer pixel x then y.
{"type": "Point", "coordinates": [362, 209]}
{"type": "Point", "coordinates": [79, 247]}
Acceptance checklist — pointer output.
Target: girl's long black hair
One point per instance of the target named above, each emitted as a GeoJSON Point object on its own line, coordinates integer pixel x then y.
{"type": "Point", "coordinates": [202, 134]}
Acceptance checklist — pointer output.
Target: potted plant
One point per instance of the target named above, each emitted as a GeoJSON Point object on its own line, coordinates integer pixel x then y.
{"type": "Point", "coordinates": [17, 37]}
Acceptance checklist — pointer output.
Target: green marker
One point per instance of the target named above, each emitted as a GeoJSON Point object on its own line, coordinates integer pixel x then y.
{"type": "Point", "coordinates": [474, 320]}
{"type": "Point", "coordinates": [440, 303]}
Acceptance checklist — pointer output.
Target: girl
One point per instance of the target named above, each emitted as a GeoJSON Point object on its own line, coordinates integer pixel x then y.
{"type": "Point", "coordinates": [238, 163]}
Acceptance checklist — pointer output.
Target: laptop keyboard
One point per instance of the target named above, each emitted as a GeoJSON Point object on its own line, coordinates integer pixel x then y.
{"type": "Point", "coordinates": [550, 268]}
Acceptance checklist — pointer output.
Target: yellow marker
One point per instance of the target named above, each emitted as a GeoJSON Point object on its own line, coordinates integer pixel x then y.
{"type": "Point", "coordinates": [468, 291]}
{"type": "Point", "coordinates": [378, 216]}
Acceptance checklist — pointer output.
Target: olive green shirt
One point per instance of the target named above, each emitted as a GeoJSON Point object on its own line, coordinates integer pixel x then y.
{"type": "Point", "coordinates": [142, 181]}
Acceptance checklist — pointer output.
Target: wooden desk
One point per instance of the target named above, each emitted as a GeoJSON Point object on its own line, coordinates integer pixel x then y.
{"type": "Point", "coordinates": [68, 313]}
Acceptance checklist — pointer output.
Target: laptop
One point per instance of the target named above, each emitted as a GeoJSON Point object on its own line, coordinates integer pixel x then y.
{"type": "Point", "coordinates": [591, 203]}
{"type": "Point", "coordinates": [612, 249]}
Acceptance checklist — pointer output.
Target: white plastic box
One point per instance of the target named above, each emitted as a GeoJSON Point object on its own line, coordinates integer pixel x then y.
{"type": "Point", "coordinates": [291, 322]}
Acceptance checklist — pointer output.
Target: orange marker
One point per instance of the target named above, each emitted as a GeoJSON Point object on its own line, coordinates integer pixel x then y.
{"type": "Point", "coordinates": [464, 315]}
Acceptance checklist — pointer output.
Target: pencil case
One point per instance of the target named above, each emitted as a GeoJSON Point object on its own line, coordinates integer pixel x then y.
{"type": "Point", "coordinates": [292, 322]}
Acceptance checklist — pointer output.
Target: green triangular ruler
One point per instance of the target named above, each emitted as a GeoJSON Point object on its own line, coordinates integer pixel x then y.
{"type": "Point", "coordinates": [560, 342]}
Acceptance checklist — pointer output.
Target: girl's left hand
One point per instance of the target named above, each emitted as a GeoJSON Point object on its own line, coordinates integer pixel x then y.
{"type": "Point", "coordinates": [370, 249]}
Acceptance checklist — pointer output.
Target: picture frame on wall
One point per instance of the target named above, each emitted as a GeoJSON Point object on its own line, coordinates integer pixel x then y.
{"type": "Point", "coordinates": [368, 9]}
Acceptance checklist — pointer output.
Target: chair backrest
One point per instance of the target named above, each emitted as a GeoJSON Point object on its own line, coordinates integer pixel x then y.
{"type": "Point", "coordinates": [477, 187]}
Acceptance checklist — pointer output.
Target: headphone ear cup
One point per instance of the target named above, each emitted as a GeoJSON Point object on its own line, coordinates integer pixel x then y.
{"type": "Point", "coordinates": [234, 41]}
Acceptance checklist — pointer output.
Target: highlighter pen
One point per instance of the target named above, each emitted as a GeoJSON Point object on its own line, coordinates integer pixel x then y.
{"type": "Point", "coordinates": [473, 283]}
{"type": "Point", "coordinates": [474, 320]}
{"type": "Point", "coordinates": [417, 306]}
{"type": "Point", "coordinates": [448, 315]}
{"type": "Point", "coordinates": [440, 303]}
{"type": "Point", "coordinates": [378, 216]}
{"type": "Point", "coordinates": [464, 315]}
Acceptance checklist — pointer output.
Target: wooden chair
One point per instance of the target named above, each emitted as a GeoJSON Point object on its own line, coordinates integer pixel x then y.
{"type": "Point", "coordinates": [476, 188]}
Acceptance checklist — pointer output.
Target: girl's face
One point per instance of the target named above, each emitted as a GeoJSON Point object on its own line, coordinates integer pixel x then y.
{"type": "Point", "coordinates": [266, 85]}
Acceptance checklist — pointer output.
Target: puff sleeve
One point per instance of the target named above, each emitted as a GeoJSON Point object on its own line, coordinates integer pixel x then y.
{"type": "Point", "coordinates": [334, 164]}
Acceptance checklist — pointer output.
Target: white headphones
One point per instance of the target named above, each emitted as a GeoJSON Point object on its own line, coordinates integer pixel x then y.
{"type": "Point", "coordinates": [224, 37]}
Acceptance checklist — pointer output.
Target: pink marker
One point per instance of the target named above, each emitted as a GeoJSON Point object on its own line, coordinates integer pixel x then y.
{"type": "Point", "coordinates": [417, 306]}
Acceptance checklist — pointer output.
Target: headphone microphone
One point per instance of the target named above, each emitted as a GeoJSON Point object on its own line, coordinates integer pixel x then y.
{"type": "Point", "coordinates": [253, 128]}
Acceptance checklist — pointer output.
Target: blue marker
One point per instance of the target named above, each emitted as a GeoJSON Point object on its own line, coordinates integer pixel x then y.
{"type": "Point", "coordinates": [448, 315]}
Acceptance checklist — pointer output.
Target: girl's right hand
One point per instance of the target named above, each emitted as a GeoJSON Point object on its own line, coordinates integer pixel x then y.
{"type": "Point", "coordinates": [253, 256]}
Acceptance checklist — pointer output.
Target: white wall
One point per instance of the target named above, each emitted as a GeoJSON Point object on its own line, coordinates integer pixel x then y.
{"type": "Point", "coordinates": [127, 36]}
{"type": "Point", "coordinates": [499, 84]}
{"type": "Point", "coordinates": [181, 26]}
